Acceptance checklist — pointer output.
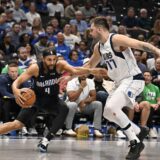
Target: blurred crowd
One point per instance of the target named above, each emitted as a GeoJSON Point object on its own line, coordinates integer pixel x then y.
{"type": "Point", "coordinates": [29, 27]}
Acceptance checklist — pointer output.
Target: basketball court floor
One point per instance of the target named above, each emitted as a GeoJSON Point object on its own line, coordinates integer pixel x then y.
{"type": "Point", "coordinates": [64, 148]}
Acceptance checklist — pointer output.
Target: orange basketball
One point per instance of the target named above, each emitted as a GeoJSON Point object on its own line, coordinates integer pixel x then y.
{"type": "Point", "coordinates": [30, 97]}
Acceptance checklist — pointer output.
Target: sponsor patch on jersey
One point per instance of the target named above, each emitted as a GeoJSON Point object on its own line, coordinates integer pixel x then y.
{"type": "Point", "coordinates": [130, 94]}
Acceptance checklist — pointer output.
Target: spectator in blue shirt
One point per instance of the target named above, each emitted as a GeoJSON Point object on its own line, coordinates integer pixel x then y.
{"type": "Point", "coordinates": [74, 59]}
{"type": "Point", "coordinates": [81, 24]}
{"type": "Point", "coordinates": [61, 47]}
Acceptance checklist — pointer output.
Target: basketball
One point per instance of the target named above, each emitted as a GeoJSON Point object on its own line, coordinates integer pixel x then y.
{"type": "Point", "coordinates": [30, 97]}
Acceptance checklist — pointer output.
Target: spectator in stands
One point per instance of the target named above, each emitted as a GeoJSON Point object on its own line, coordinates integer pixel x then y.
{"type": "Point", "coordinates": [82, 96]}
{"type": "Point", "coordinates": [144, 21]}
{"type": "Point", "coordinates": [14, 57]}
{"type": "Point", "coordinates": [8, 100]}
{"type": "Point", "coordinates": [83, 50]}
{"type": "Point", "coordinates": [37, 23]}
{"type": "Point", "coordinates": [105, 7]}
{"type": "Point", "coordinates": [156, 73]}
{"type": "Point", "coordinates": [101, 92]}
{"type": "Point", "coordinates": [130, 20]}
{"type": "Point", "coordinates": [88, 11]}
{"type": "Point", "coordinates": [138, 56]}
{"type": "Point", "coordinates": [55, 9]}
{"type": "Point", "coordinates": [41, 6]}
{"type": "Point", "coordinates": [70, 39]}
{"type": "Point", "coordinates": [74, 30]}
{"type": "Point", "coordinates": [9, 13]}
{"type": "Point", "coordinates": [25, 6]}
{"type": "Point", "coordinates": [50, 32]}
{"type": "Point", "coordinates": [2, 60]}
{"type": "Point", "coordinates": [24, 61]}
{"type": "Point", "coordinates": [112, 27]}
{"type": "Point", "coordinates": [156, 27]}
{"type": "Point", "coordinates": [31, 52]}
{"type": "Point", "coordinates": [41, 45]}
{"type": "Point", "coordinates": [61, 48]}
{"type": "Point", "coordinates": [74, 59]}
{"type": "Point", "coordinates": [148, 105]}
{"type": "Point", "coordinates": [69, 11]}
{"type": "Point", "coordinates": [6, 46]}
{"type": "Point", "coordinates": [18, 13]}
{"type": "Point", "coordinates": [15, 35]}
{"type": "Point", "coordinates": [122, 30]}
{"type": "Point", "coordinates": [32, 14]}
{"type": "Point", "coordinates": [55, 23]}
{"type": "Point", "coordinates": [3, 25]}
{"type": "Point", "coordinates": [81, 24]}
{"type": "Point", "coordinates": [151, 94]}
{"type": "Point", "coordinates": [24, 26]}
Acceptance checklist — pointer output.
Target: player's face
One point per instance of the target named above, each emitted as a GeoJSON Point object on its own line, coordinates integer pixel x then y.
{"type": "Point", "coordinates": [94, 32]}
{"type": "Point", "coordinates": [50, 61]}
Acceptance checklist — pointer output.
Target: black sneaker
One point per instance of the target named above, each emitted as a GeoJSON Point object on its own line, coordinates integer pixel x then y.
{"type": "Point", "coordinates": [135, 150]}
{"type": "Point", "coordinates": [43, 144]}
{"type": "Point", "coordinates": [143, 133]}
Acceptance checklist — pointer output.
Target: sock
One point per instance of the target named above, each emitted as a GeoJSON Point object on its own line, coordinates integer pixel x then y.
{"type": "Point", "coordinates": [49, 136]}
{"type": "Point", "coordinates": [129, 131]}
{"type": "Point", "coordinates": [135, 127]}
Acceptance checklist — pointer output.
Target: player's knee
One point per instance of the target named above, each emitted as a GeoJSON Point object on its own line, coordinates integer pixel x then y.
{"type": "Point", "coordinates": [17, 124]}
{"type": "Point", "coordinates": [109, 111]}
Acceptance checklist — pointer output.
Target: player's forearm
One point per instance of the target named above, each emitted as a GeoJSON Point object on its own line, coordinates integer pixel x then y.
{"type": "Point", "coordinates": [147, 47]}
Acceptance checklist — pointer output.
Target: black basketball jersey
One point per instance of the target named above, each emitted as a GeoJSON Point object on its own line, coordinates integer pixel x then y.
{"type": "Point", "coordinates": [47, 84]}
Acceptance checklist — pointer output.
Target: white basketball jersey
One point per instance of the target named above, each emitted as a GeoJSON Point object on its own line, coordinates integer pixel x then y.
{"type": "Point", "coordinates": [120, 64]}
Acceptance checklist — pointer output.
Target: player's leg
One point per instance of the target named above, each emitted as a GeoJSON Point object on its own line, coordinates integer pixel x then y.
{"type": "Point", "coordinates": [57, 124]}
{"type": "Point", "coordinates": [113, 112]}
{"type": "Point", "coordinates": [10, 126]}
{"type": "Point", "coordinates": [22, 119]}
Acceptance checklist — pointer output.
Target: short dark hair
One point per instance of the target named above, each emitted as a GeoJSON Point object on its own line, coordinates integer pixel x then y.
{"type": "Point", "coordinates": [100, 21]}
{"type": "Point", "coordinates": [12, 63]}
{"type": "Point", "coordinates": [49, 52]}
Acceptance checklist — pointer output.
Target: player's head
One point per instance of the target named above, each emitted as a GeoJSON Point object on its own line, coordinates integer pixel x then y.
{"type": "Point", "coordinates": [49, 59]}
{"type": "Point", "coordinates": [98, 25]}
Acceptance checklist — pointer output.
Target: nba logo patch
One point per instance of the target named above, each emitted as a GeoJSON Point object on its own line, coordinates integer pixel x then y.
{"type": "Point", "coordinates": [130, 94]}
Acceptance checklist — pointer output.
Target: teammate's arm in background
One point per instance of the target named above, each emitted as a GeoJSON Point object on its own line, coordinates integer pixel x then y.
{"type": "Point", "coordinates": [124, 41]}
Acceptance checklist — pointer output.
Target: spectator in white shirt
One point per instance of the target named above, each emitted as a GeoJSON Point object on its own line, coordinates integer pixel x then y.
{"type": "Point", "coordinates": [32, 14]}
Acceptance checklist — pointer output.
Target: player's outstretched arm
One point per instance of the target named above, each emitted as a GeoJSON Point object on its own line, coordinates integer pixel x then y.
{"type": "Point", "coordinates": [124, 41]}
{"type": "Point", "coordinates": [78, 71]}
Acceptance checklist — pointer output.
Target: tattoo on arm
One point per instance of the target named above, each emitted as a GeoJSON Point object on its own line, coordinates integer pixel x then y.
{"type": "Point", "coordinates": [147, 49]}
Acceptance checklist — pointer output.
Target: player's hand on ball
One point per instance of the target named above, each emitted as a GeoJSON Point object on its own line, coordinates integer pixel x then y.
{"type": "Point", "coordinates": [26, 98]}
{"type": "Point", "coordinates": [20, 99]}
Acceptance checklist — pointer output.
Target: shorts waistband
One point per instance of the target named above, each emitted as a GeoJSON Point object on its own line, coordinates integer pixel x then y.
{"type": "Point", "coordinates": [138, 77]}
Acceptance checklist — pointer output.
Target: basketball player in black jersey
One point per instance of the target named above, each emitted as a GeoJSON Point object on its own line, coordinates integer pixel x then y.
{"type": "Point", "coordinates": [46, 76]}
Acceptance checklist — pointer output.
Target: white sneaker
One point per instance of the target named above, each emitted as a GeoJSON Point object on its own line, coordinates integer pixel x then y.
{"type": "Point", "coordinates": [69, 132]}
{"type": "Point", "coordinates": [153, 133]}
{"type": "Point", "coordinates": [59, 132]}
{"type": "Point", "coordinates": [120, 134]}
{"type": "Point", "coordinates": [43, 144]}
{"type": "Point", "coordinates": [24, 131]}
{"type": "Point", "coordinates": [98, 134]}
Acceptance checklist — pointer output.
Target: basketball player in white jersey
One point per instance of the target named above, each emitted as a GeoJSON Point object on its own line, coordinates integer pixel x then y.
{"type": "Point", "coordinates": [115, 51]}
